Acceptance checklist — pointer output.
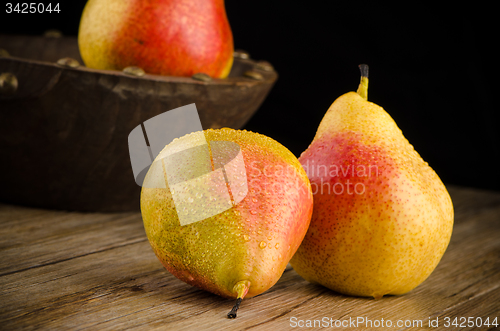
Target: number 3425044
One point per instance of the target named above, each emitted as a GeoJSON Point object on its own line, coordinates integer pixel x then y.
{"type": "Point", "coordinates": [31, 8]}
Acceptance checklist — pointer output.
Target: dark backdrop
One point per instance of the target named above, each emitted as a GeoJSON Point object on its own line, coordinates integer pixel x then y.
{"type": "Point", "coordinates": [433, 69]}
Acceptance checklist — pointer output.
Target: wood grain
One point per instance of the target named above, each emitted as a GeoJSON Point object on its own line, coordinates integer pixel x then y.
{"type": "Point", "coordinates": [92, 271]}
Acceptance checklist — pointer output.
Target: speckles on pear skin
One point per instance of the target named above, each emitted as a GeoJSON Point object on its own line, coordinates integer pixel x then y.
{"type": "Point", "coordinates": [216, 253]}
{"type": "Point", "coordinates": [382, 218]}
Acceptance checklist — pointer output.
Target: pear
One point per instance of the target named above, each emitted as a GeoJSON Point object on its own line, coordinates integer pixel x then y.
{"type": "Point", "coordinates": [237, 250]}
{"type": "Point", "coordinates": [382, 218]}
{"type": "Point", "coordinates": [163, 37]}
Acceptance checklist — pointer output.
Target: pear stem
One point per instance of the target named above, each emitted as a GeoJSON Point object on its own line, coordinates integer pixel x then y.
{"type": "Point", "coordinates": [241, 288]}
{"type": "Point", "coordinates": [363, 84]}
{"type": "Point", "coordinates": [232, 313]}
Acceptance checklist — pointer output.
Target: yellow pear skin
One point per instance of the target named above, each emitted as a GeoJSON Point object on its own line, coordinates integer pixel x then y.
{"type": "Point", "coordinates": [382, 218]}
{"type": "Point", "coordinates": [243, 251]}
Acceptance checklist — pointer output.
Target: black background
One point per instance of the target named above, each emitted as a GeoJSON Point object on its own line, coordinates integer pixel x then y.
{"type": "Point", "coordinates": [433, 69]}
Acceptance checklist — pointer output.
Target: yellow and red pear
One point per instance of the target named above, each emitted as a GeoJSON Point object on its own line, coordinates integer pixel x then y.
{"type": "Point", "coordinates": [164, 37]}
{"type": "Point", "coordinates": [382, 218]}
{"type": "Point", "coordinates": [242, 251]}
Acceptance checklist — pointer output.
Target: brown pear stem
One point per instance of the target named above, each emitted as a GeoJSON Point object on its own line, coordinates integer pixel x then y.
{"type": "Point", "coordinates": [232, 313]}
{"type": "Point", "coordinates": [363, 84]}
{"type": "Point", "coordinates": [241, 289]}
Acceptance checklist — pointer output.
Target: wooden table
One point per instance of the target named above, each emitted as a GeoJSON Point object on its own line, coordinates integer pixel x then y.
{"type": "Point", "coordinates": [65, 270]}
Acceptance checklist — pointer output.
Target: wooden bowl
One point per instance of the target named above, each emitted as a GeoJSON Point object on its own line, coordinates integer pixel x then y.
{"type": "Point", "coordinates": [64, 127]}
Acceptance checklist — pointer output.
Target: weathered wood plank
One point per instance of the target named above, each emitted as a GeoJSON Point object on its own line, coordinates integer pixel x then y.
{"type": "Point", "coordinates": [45, 237]}
{"type": "Point", "coordinates": [70, 271]}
